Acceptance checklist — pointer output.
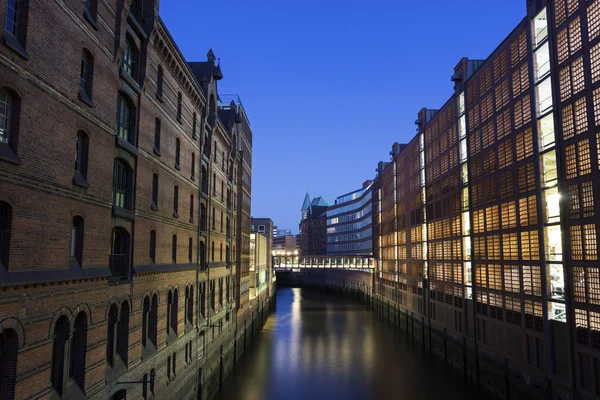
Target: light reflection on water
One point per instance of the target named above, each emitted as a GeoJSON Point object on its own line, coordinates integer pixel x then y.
{"type": "Point", "coordinates": [318, 346]}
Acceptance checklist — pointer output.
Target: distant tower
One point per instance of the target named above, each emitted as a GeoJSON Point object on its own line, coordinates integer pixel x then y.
{"type": "Point", "coordinates": [305, 207]}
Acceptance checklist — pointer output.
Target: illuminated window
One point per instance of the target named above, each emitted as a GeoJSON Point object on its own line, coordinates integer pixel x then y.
{"type": "Point", "coordinates": [563, 45]}
{"type": "Point", "coordinates": [597, 107]}
{"type": "Point", "coordinates": [542, 62]}
{"type": "Point", "coordinates": [509, 215]}
{"type": "Point", "coordinates": [593, 17]}
{"type": "Point", "coordinates": [593, 285]}
{"type": "Point", "coordinates": [532, 281]}
{"type": "Point", "coordinates": [512, 282]}
{"type": "Point", "coordinates": [560, 12]}
{"type": "Point", "coordinates": [595, 61]}
{"type": "Point", "coordinates": [510, 246]}
{"type": "Point", "coordinates": [527, 211]}
{"type": "Point", "coordinates": [530, 246]}
{"type": "Point", "coordinates": [505, 154]}
{"type": "Point", "coordinates": [565, 83]}
{"type": "Point", "coordinates": [579, 284]}
{"type": "Point", "coordinates": [506, 184]}
{"type": "Point", "coordinates": [549, 170]}
{"type": "Point", "coordinates": [577, 75]}
{"type": "Point", "coordinates": [526, 177]}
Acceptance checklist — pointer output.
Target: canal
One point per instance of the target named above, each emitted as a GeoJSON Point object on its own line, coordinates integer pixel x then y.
{"type": "Point", "coordinates": [320, 346]}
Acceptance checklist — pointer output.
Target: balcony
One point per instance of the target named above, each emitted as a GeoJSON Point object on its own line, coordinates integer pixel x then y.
{"type": "Point", "coordinates": [119, 265]}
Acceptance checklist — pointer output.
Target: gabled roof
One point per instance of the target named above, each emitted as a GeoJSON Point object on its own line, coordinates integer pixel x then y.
{"type": "Point", "coordinates": [306, 204]}
{"type": "Point", "coordinates": [319, 201]}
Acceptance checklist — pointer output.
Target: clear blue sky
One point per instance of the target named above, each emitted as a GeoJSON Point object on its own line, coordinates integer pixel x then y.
{"type": "Point", "coordinates": [329, 85]}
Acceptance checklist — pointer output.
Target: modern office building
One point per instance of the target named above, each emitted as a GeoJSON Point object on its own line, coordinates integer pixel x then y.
{"type": "Point", "coordinates": [259, 264]}
{"type": "Point", "coordinates": [120, 264]}
{"type": "Point", "coordinates": [486, 223]}
{"type": "Point", "coordinates": [313, 226]}
{"type": "Point", "coordinates": [281, 232]}
{"type": "Point", "coordinates": [350, 223]}
{"type": "Point", "coordinates": [264, 227]}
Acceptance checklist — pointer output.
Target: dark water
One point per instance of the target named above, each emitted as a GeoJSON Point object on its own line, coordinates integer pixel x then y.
{"type": "Point", "coordinates": [319, 346]}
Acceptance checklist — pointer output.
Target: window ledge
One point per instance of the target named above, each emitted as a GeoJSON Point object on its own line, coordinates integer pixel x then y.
{"type": "Point", "coordinates": [126, 146]}
{"type": "Point", "coordinates": [83, 96]}
{"type": "Point", "coordinates": [130, 81]}
{"type": "Point", "coordinates": [8, 154]}
{"type": "Point", "coordinates": [137, 26]}
{"type": "Point", "coordinates": [154, 206]}
{"type": "Point", "coordinates": [123, 213]}
{"type": "Point", "coordinates": [156, 151]}
{"type": "Point", "coordinates": [90, 18]}
{"type": "Point", "coordinates": [79, 180]}
{"type": "Point", "coordinates": [13, 43]}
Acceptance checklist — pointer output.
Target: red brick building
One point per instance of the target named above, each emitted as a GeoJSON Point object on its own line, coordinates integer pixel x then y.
{"type": "Point", "coordinates": [121, 210]}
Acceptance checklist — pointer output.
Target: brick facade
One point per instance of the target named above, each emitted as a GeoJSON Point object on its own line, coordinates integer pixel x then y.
{"type": "Point", "coordinates": [46, 290]}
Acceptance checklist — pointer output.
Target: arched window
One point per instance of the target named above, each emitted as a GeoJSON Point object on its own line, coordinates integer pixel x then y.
{"type": "Point", "coordinates": [227, 254]}
{"type": "Point", "coordinates": [193, 166]}
{"type": "Point", "coordinates": [120, 395]}
{"type": "Point", "coordinates": [201, 254]}
{"type": "Point", "coordinates": [81, 159]}
{"type": "Point", "coordinates": [145, 321]}
{"type": "Point", "coordinates": [77, 231]}
{"type": "Point", "coordinates": [91, 9]}
{"type": "Point", "coordinates": [190, 250]}
{"type": "Point", "coordinates": [123, 338]}
{"type": "Point", "coordinates": [153, 246]}
{"type": "Point", "coordinates": [154, 205]}
{"type": "Point", "coordinates": [5, 232]}
{"type": "Point", "coordinates": [159, 83]}
{"type": "Point", "coordinates": [122, 185]}
{"type": "Point", "coordinates": [125, 119]}
{"type": "Point", "coordinates": [174, 249]}
{"type": "Point", "coordinates": [152, 373]}
{"type": "Point", "coordinates": [9, 346]}
{"type": "Point", "coordinates": [61, 336]}
{"type": "Point", "coordinates": [145, 387]}
{"type": "Point", "coordinates": [136, 10]}
{"type": "Point", "coordinates": [176, 201]}
{"type": "Point", "coordinates": [111, 335]}
{"type": "Point", "coordinates": [153, 327]}
{"type": "Point", "coordinates": [221, 252]}
{"type": "Point", "coordinates": [212, 110]}
{"type": "Point", "coordinates": [194, 123]}
{"type": "Point", "coordinates": [190, 305]}
{"type": "Point", "coordinates": [214, 185]}
{"type": "Point", "coordinates": [203, 301]}
{"type": "Point", "coordinates": [173, 312]}
{"type": "Point", "coordinates": [130, 59]}
{"type": "Point", "coordinates": [16, 24]}
{"type": "Point", "coordinates": [214, 217]}
{"type": "Point", "coordinates": [221, 222]}
{"type": "Point", "coordinates": [212, 252]}
{"type": "Point", "coordinates": [202, 217]}
{"type": "Point", "coordinates": [10, 106]}
{"type": "Point", "coordinates": [204, 177]}
{"type": "Point", "coordinates": [179, 106]}
{"type": "Point", "coordinates": [157, 136]}
{"type": "Point", "coordinates": [191, 208]}
{"type": "Point", "coordinates": [215, 151]}
{"type": "Point", "coordinates": [78, 350]}
{"type": "Point", "coordinates": [86, 75]}
{"type": "Point", "coordinates": [177, 153]}
{"type": "Point", "coordinates": [119, 256]}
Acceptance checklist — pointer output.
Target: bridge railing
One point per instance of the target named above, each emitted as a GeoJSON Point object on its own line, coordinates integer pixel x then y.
{"type": "Point", "coordinates": [297, 262]}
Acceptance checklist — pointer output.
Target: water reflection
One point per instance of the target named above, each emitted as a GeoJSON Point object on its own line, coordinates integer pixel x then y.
{"type": "Point", "coordinates": [317, 346]}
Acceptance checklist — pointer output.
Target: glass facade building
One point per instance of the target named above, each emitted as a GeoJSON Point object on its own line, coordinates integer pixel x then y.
{"type": "Point", "coordinates": [485, 225]}
{"type": "Point", "coordinates": [350, 222]}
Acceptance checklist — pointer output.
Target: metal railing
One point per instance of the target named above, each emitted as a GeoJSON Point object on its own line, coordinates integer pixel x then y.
{"type": "Point", "coordinates": [296, 262]}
